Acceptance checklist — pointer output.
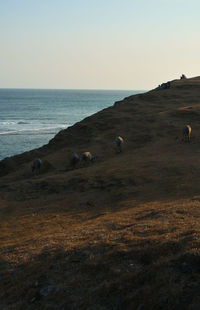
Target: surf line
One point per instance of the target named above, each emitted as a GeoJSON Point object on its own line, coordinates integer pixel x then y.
{"type": "Point", "coordinates": [34, 129]}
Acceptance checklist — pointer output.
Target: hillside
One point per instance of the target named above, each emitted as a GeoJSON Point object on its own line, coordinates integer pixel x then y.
{"type": "Point", "coordinates": [120, 233]}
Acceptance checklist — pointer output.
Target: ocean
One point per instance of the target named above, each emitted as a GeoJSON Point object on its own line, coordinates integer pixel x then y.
{"type": "Point", "coordinates": [29, 118]}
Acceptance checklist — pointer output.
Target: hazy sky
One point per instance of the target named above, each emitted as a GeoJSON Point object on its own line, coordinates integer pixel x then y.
{"type": "Point", "coordinates": [101, 44]}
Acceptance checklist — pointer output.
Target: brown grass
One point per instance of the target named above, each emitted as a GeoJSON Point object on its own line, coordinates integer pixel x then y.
{"type": "Point", "coordinates": [122, 233]}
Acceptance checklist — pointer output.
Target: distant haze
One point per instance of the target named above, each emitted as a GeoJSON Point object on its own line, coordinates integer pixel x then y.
{"type": "Point", "coordinates": [93, 44]}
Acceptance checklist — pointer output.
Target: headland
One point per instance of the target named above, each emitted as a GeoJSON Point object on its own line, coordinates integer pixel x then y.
{"type": "Point", "coordinates": [120, 233]}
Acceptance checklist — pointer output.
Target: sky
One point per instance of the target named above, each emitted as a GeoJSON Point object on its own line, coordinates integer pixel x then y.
{"type": "Point", "coordinates": [97, 44]}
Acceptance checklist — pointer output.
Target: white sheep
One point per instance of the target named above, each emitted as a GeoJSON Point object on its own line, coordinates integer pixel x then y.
{"type": "Point", "coordinates": [74, 159]}
{"type": "Point", "coordinates": [119, 141]}
{"type": "Point", "coordinates": [87, 156]}
{"type": "Point", "coordinates": [187, 133]}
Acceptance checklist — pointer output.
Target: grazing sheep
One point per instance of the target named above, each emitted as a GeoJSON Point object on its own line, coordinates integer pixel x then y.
{"type": "Point", "coordinates": [187, 133]}
{"type": "Point", "coordinates": [36, 166]}
{"type": "Point", "coordinates": [87, 156]}
{"type": "Point", "coordinates": [74, 159]}
{"type": "Point", "coordinates": [119, 141]}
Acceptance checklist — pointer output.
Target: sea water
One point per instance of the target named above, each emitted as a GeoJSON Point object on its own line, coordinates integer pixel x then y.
{"type": "Point", "coordinates": [29, 118]}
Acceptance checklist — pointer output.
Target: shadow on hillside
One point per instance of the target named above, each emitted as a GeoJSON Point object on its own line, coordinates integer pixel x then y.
{"type": "Point", "coordinates": [147, 276]}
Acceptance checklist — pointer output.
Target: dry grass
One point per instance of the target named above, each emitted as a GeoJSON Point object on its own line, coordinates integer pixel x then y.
{"type": "Point", "coordinates": [143, 254]}
{"type": "Point", "coordinates": [122, 233]}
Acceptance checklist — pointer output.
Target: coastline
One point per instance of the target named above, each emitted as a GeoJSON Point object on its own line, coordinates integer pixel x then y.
{"type": "Point", "coordinates": [40, 114]}
{"type": "Point", "coordinates": [120, 232]}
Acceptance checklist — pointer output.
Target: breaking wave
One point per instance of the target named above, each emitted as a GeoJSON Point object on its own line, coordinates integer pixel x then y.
{"type": "Point", "coordinates": [20, 131]}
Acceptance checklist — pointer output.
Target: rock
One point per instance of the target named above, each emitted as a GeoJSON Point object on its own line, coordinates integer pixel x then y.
{"type": "Point", "coordinates": [47, 290]}
{"type": "Point", "coordinates": [33, 300]}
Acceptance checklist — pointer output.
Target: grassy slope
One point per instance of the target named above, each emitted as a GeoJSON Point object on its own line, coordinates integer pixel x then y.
{"type": "Point", "coordinates": [122, 233]}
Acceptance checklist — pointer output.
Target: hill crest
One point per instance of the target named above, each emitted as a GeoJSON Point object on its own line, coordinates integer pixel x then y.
{"type": "Point", "coordinates": [120, 233]}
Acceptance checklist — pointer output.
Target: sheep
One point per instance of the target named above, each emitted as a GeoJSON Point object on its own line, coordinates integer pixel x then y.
{"type": "Point", "coordinates": [119, 141]}
{"type": "Point", "coordinates": [36, 165]}
{"type": "Point", "coordinates": [187, 133]}
{"type": "Point", "coordinates": [87, 156]}
{"type": "Point", "coordinates": [74, 159]}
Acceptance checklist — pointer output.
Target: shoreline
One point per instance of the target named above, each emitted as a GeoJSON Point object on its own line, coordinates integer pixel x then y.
{"type": "Point", "coordinates": [120, 232]}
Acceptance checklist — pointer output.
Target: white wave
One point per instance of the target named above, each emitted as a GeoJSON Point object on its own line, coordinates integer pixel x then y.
{"type": "Point", "coordinates": [5, 123]}
{"type": "Point", "coordinates": [33, 129]}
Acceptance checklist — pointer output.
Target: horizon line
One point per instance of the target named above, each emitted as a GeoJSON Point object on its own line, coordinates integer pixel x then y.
{"type": "Point", "coordinates": [33, 88]}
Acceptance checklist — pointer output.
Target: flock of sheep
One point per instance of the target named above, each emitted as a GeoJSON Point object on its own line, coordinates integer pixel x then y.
{"type": "Point", "coordinates": [88, 157]}
{"type": "Point", "coordinates": [75, 158]}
